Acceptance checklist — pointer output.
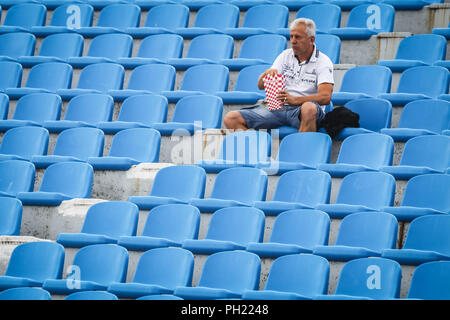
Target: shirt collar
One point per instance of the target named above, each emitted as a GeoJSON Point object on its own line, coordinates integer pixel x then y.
{"type": "Point", "coordinates": [314, 55]}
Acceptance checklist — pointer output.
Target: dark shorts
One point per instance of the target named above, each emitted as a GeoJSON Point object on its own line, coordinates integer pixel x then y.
{"type": "Point", "coordinates": [260, 117]}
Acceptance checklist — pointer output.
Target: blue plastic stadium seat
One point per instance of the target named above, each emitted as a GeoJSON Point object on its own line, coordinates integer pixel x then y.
{"type": "Point", "coordinates": [225, 275]}
{"type": "Point", "coordinates": [166, 226]}
{"type": "Point", "coordinates": [147, 79]}
{"type": "Point", "coordinates": [162, 18]}
{"type": "Point", "coordinates": [422, 155]}
{"type": "Point", "coordinates": [96, 78]}
{"type": "Point", "coordinates": [159, 297]}
{"type": "Point", "coordinates": [330, 45]}
{"type": "Point", "coordinates": [442, 31]}
{"type": "Point", "coordinates": [105, 222]}
{"type": "Point", "coordinates": [257, 49]}
{"type": "Point", "coordinates": [411, 4]}
{"type": "Point", "coordinates": [104, 48]}
{"type": "Point", "coordinates": [213, 18]}
{"type": "Point", "coordinates": [300, 150]}
{"type": "Point", "coordinates": [25, 293]}
{"type": "Point", "coordinates": [61, 181]}
{"type": "Point", "coordinates": [196, 5]}
{"type": "Point", "coordinates": [240, 149]}
{"type": "Point", "coordinates": [200, 79]}
{"type": "Point", "coordinates": [417, 50]}
{"type": "Point", "coordinates": [10, 217]}
{"type": "Point", "coordinates": [246, 90]}
{"type": "Point", "coordinates": [156, 48]}
{"type": "Point", "coordinates": [423, 195]}
{"type": "Point", "coordinates": [367, 279]}
{"type": "Point", "coordinates": [91, 295]}
{"type": "Point", "coordinates": [193, 113]}
{"type": "Point", "coordinates": [22, 143]}
{"type": "Point", "coordinates": [48, 77]}
{"type": "Point", "coordinates": [427, 240]}
{"type": "Point", "coordinates": [159, 271]}
{"type": "Point", "coordinates": [261, 19]}
{"type": "Point", "coordinates": [366, 20]}
{"type": "Point", "coordinates": [17, 176]}
{"type": "Point", "coordinates": [4, 105]}
{"type": "Point", "coordinates": [97, 266]}
{"type": "Point", "coordinates": [442, 63]}
{"type": "Point", "coordinates": [22, 16]}
{"type": "Point", "coordinates": [361, 235]}
{"type": "Point", "coordinates": [234, 187]}
{"type": "Point", "coordinates": [293, 232]}
{"type": "Point", "coordinates": [416, 83]}
{"type": "Point", "coordinates": [229, 229]}
{"type": "Point", "coordinates": [137, 111]}
{"type": "Point", "coordinates": [420, 117]}
{"type": "Point", "coordinates": [33, 263]}
{"type": "Point", "coordinates": [56, 47]}
{"type": "Point", "coordinates": [16, 44]}
{"type": "Point", "coordinates": [361, 152]}
{"type": "Point", "coordinates": [430, 281]}
{"type": "Point", "coordinates": [363, 82]}
{"type": "Point", "coordinates": [76, 144]}
{"type": "Point", "coordinates": [173, 184]}
{"type": "Point", "coordinates": [362, 191]}
{"type": "Point", "coordinates": [129, 147]}
{"type": "Point", "coordinates": [66, 17]}
{"type": "Point", "coordinates": [294, 277]}
{"type": "Point", "coordinates": [11, 75]}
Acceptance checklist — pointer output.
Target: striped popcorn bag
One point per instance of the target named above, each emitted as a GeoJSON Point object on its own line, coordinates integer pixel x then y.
{"type": "Point", "coordinates": [272, 85]}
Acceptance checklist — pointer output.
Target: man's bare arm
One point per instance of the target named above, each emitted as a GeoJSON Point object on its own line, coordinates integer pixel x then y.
{"type": "Point", "coordinates": [269, 71]}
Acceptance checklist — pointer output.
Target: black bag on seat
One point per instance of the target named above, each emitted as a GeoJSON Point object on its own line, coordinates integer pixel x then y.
{"type": "Point", "coordinates": [339, 118]}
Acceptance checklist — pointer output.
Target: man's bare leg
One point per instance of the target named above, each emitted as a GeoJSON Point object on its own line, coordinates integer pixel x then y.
{"type": "Point", "coordinates": [308, 117]}
{"type": "Point", "coordinates": [234, 120]}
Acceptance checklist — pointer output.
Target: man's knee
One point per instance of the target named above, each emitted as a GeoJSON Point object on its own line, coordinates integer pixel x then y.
{"type": "Point", "coordinates": [233, 119]}
{"type": "Point", "coordinates": [309, 111]}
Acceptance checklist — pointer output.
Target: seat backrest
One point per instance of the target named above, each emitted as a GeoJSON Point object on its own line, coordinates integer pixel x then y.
{"type": "Point", "coordinates": [429, 80]}
{"type": "Point", "coordinates": [330, 45]}
{"type": "Point", "coordinates": [38, 107]}
{"type": "Point", "coordinates": [62, 45]}
{"type": "Point", "coordinates": [427, 114]}
{"type": "Point", "coordinates": [153, 77]}
{"type": "Point", "coordinates": [325, 15]}
{"type": "Point", "coordinates": [266, 16]}
{"type": "Point", "coordinates": [430, 281]}
{"type": "Point", "coordinates": [208, 78]}
{"type": "Point", "coordinates": [432, 151]}
{"type": "Point", "coordinates": [377, 17]}
{"type": "Point", "coordinates": [372, 189]}
{"type": "Point", "coordinates": [111, 45]}
{"type": "Point", "coordinates": [144, 108]}
{"type": "Point", "coordinates": [11, 216]}
{"type": "Point", "coordinates": [246, 146]}
{"type": "Point", "coordinates": [206, 109]}
{"type": "Point", "coordinates": [102, 77]}
{"type": "Point", "coordinates": [304, 227]}
{"type": "Point", "coordinates": [25, 293]}
{"type": "Point", "coordinates": [263, 46]}
{"type": "Point", "coordinates": [310, 187]}
{"type": "Point", "coordinates": [72, 14]}
{"type": "Point", "coordinates": [236, 271]}
{"type": "Point", "coordinates": [4, 105]}
{"type": "Point", "coordinates": [167, 267]}
{"type": "Point", "coordinates": [176, 222]}
{"type": "Point", "coordinates": [141, 144]}
{"type": "Point", "coordinates": [74, 179]}
{"type": "Point", "coordinates": [293, 147]}
{"type": "Point", "coordinates": [40, 260]}
{"type": "Point", "coordinates": [237, 224]}
{"type": "Point", "coordinates": [16, 176]}
{"type": "Point", "coordinates": [374, 277]}
{"type": "Point", "coordinates": [183, 182]}
{"type": "Point", "coordinates": [247, 78]}
{"type": "Point", "coordinates": [17, 44]}
{"type": "Point", "coordinates": [50, 75]}
{"type": "Point", "coordinates": [424, 47]}
{"type": "Point", "coordinates": [374, 113]}
{"type": "Point", "coordinates": [303, 274]}
{"type": "Point", "coordinates": [26, 15]}
{"type": "Point", "coordinates": [372, 230]}
{"type": "Point", "coordinates": [169, 16]}
{"type": "Point", "coordinates": [217, 16]}
{"type": "Point", "coordinates": [428, 191]}
{"type": "Point", "coordinates": [241, 184]}
{"type": "Point", "coordinates": [211, 46]}
{"type": "Point", "coordinates": [25, 141]}
{"type": "Point", "coordinates": [119, 15]}
{"type": "Point", "coordinates": [82, 142]}
{"type": "Point", "coordinates": [11, 74]}
{"type": "Point", "coordinates": [91, 295]}
{"type": "Point", "coordinates": [102, 263]}
{"type": "Point", "coordinates": [112, 218]}
{"type": "Point", "coordinates": [90, 107]}
{"type": "Point", "coordinates": [161, 46]}
{"type": "Point", "coordinates": [371, 80]}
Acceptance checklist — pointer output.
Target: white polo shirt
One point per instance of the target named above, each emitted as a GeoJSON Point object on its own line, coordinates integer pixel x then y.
{"type": "Point", "coordinates": [303, 79]}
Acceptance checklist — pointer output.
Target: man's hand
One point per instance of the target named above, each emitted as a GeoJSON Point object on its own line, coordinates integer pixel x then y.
{"type": "Point", "coordinates": [270, 71]}
{"type": "Point", "coordinates": [286, 98]}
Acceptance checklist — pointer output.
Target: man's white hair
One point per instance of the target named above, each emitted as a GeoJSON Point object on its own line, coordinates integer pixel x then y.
{"type": "Point", "coordinates": [310, 26]}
